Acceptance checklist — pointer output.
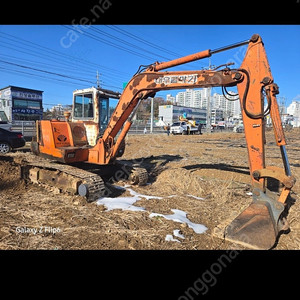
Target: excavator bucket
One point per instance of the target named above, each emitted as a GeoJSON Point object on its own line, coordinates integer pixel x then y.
{"type": "Point", "coordinates": [257, 227]}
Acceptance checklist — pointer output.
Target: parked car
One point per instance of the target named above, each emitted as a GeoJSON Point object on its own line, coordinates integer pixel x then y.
{"type": "Point", "coordinates": [238, 128]}
{"type": "Point", "coordinates": [5, 125]}
{"type": "Point", "coordinates": [10, 140]}
{"type": "Point", "coordinates": [183, 128]}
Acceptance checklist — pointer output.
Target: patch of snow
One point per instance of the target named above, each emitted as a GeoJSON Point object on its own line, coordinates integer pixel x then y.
{"type": "Point", "coordinates": [176, 233]}
{"type": "Point", "coordinates": [118, 187]}
{"type": "Point", "coordinates": [180, 216]}
{"type": "Point", "coordinates": [124, 203]}
{"type": "Point", "coordinates": [198, 198]}
{"type": "Point", "coordinates": [169, 238]}
{"type": "Point", "coordinates": [135, 194]}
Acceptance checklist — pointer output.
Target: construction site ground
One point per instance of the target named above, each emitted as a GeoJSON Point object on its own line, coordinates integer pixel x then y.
{"type": "Point", "coordinates": [203, 180]}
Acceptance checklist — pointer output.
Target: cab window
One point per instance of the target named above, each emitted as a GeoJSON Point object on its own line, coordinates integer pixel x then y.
{"type": "Point", "coordinates": [83, 106]}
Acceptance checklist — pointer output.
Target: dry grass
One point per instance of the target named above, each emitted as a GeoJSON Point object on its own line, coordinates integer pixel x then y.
{"type": "Point", "coordinates": [180, 166]}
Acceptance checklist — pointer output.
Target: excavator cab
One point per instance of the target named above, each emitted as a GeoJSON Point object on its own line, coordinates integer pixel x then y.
{"type": "Point", "coordinates": [91, 106]}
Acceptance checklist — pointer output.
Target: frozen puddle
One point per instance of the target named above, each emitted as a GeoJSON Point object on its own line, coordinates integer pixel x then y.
{"type": "Point", "coordinates": [180, 216]}
{"type": "Point", "coordinates": [126, 203]}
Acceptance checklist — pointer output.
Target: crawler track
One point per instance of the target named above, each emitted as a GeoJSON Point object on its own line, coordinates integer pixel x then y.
{"type": "Point", "coordinates": [74, 180]}
{"type": "Point", "coordinates": [64, 178]}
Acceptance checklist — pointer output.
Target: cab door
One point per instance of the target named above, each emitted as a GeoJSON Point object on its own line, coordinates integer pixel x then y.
{"type": "Point", "coordinates": [104, 114]}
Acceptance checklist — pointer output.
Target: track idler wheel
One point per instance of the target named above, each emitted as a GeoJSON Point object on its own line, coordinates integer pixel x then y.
{"type": "Point", "coordinates": [92, 188]}
{"type": "Point", "coordinates": [138, 176]}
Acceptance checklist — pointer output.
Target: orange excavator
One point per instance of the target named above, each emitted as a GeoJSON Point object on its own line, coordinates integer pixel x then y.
{"type": "Point", "coordinates": [65, 141]}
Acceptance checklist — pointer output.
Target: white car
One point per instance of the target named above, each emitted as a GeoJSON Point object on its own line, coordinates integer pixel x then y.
{"type": "Point", "coordinates": [182, 128]}
{"type": "Point", "coordinates": [239, 128]}
{"type": "Point", "coordinates": [178, 127]}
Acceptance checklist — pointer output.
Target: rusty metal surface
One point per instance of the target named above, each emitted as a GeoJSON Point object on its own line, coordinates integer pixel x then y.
{"type": "Point", "coordinates": [277, 173]}
{"type": "Point", "coordinates": [149, 82]}
{"type": "Point", "coordinates": [182, 60]}
{"type": "Point", "coordinates": [259, 224]}
{"type": "Point", "coordinates": [253, 227]}
{"type": "Point", "coordinates": [92, 131]}
{"type": "Point", "coordinates": [61, 178]}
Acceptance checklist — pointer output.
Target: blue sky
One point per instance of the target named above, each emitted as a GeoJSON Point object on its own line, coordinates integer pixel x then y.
{"type": "Point", "coordinates": [70, 56]}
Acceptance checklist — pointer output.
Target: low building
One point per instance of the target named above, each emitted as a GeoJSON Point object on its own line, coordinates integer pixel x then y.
{"type": "Point", "coordinates": [21, 104]}
{"type": "Point", "coordinates": [171, 113]}
{"type": "Point", "coordinates": [217, 115]}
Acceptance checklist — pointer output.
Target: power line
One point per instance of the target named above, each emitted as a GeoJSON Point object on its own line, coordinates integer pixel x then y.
{"type": "Point", "coordinates": [146, 42]}
{"type": "Point", "coordinates": [126, 42]}
{"type": "Point", "coordinates": [44, 71]}
{"type": "Point", "coordinates": [53, 79]}
{"type": "Point", "coordinates": [37, 54]}
{"type": "Point", "coordinates": [58, 55]}
{"type": "Point", "coordinates": [18, 72]}
{"type": "Point", "coordinates": [141, 40]}
{"type": "Point", "coordinates": [117, 46]}
{"type": "Point", "coordinates": [37, 63]}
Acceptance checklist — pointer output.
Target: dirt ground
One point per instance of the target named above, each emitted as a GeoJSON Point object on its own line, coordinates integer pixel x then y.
{"type": "Point", "coordinates": [206, 176]}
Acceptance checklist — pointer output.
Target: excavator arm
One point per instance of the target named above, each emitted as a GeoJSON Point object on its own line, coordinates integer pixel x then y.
{"type": "Point", "coordinates": [261, 222]}
{"type": "Point", "coordinates": [148, 83]}
{"type": "Point", "coordinates": [259, 225]}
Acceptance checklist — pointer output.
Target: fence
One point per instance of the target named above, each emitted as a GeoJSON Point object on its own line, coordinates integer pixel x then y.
{"type": "Point", "coordinates": [27, 128]}
{"type": "Point", "coordinates": [139, 129]}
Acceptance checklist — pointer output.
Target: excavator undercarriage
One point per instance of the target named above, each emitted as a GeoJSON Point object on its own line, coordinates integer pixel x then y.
{"type": "Point", "coordinates": [78, 179]}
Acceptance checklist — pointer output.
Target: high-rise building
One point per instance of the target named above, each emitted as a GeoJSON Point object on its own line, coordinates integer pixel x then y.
{"type": "Point", "coordinates": [294, 109]}
{"type": "Point", "coordinates": [170, 98]}
{"type": "Point", "coordinates": [180, 98]}
{"type": "Point", "coordinates": [231, 107]}
{"type": "Point", "coordinates": [198, 98]}
{"type": "Point", "coordinates": [192, 98]}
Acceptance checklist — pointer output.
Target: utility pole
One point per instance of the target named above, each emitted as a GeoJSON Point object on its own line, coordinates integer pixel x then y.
{"type": "Point", "coordinates": [152, 115]}
{"type": "Point", "coordinates": [98, 81]}
{"type": "Point", "coordinates": [208, 110]}
{"type": "Point", "coordinates": [281, 103]}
